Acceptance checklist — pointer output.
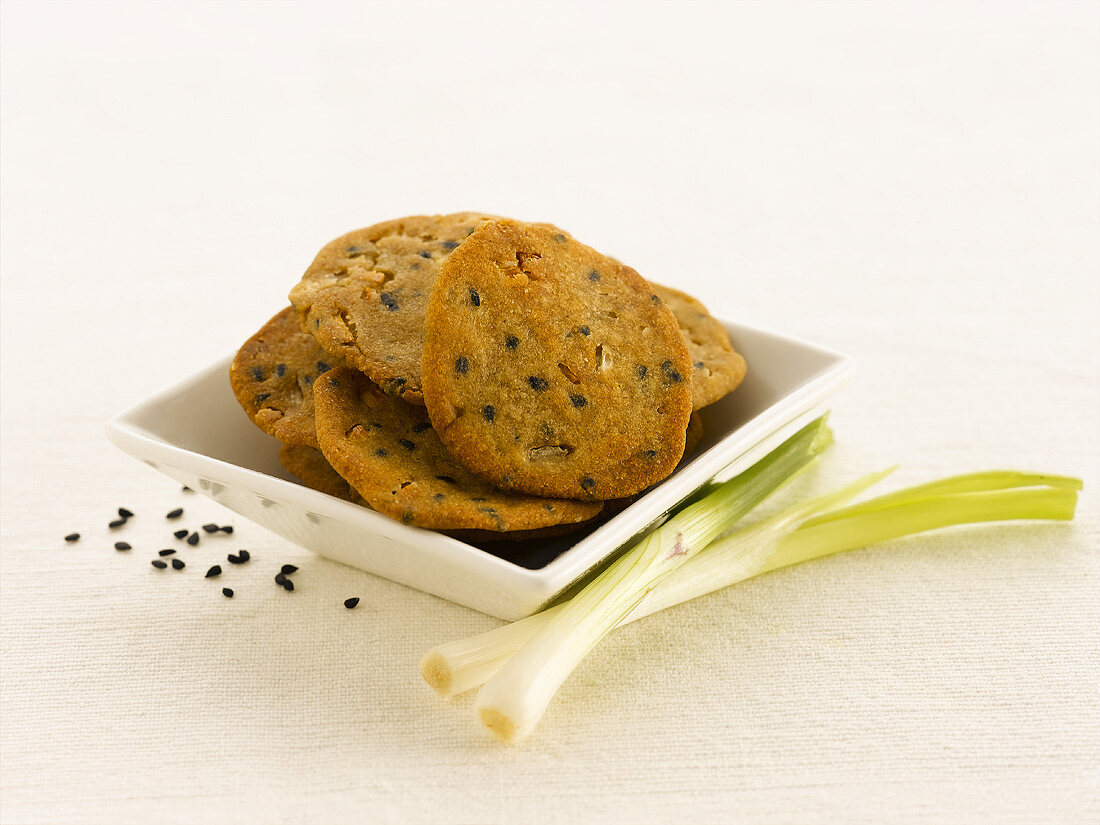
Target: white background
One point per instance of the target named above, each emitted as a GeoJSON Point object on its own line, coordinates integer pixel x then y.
{"type": "Point", "coordinates": [915, 184]}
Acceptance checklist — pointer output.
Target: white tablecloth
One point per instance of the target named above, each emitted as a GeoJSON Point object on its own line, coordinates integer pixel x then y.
{"type": "Point", "coordinates": [916, 185]}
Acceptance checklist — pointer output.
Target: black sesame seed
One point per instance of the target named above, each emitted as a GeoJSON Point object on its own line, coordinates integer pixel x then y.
{"type": "Point", "coordinates": [262, 397]}
{"type": "Point", "coordinates": [641, 371]}
{"type": "Point", "coordinates": [288, 585]}
{"type": "Point", "coordinates": [388, 302]}
{"type": "Point", "coordinates": [174, 513]}
{"type": "Point", "coordinates": [227, 529]}
{"type": "Point", "coordinates": [117, 523]}
{"type": "Point", "coordinates": [537, 383]}
{"type": "Point", "coordinates": [593, 275]}
{"type": "Point", "coordinates": [256, 373]}
{"type": "Point", "coordinates": [322, 367]}
{"type": "Point", "coordinates": [381, 453]}
{"type": "Point", "coordinates": [193, 539]}
{"type": "Point", "coordinates": [124, 513]}
{"type": "Point", "coordinates": [227, 592]}
{"type": "Point", "coordinates": [280, 578]}
{"type": "Point", "coordinates": [210, 528]}
{"type": "Point", "coordinates": [422, 426]}
{"type": "Point", "coordinates": [461, 365]}
{"type": "Point", "coordinates": [655, 299]}
{"type": "Point", "coordinates": [177, 564]}
{"type": "Point", "coordinates": [425, 253]}
{"type": "Point", "coordinates": [181, 534]}
{"type": "Point", "coordinates": [280, 370]}
{"type": "Point", "coordinates": [287, 569]}
{"type": "Point", "coordinates": [234, 559]}
{"type": "Point", "coordinates": [408, 445]}
{"type": "Point", "coordinates": [475, 299]}
{"type": "Point", "coordinates": [216, 570]}
{"type": "Point", "coordinates": [698, 365]}
{"type": "Point", "coordinates": [351, 603]}
{"type": "Point", "coordinates": [160, 565]}
{"type": "Point", "coordinates": [511, 342]}
{"type": "Point", "coordinates": [165, 552]}
{"type": "Point", "coordinates": [587, 482]}
{"type": "Point", "coordinates": [448, 479]}
{"type": "Point", "coordinates": [121, 545]}
{"type": "Point", "coordinates": [438, 497]}
{"type": "Point", "coordinates": [584, 330]}
{"type": "Point", "coordinates": [559, 238]}
{"type": "Point", "coordinates": [670, 373]}
{"type": "Point", "coordinates": [489, 412]}
{"type": "Point", "coordinates": [650, 453]}
{"type": "Point", "coordinates": [186, 489]}
{"type": "Point", "coordinates": [548, 508]}
{"type": "Point", "coordinates": [449, 245]}
{"type": "Point", "coordinates": [72, 537]}
{"type": "Point", "coordinates": [243, 555]}
{"type": "Point", "coordinates": [578, 400]}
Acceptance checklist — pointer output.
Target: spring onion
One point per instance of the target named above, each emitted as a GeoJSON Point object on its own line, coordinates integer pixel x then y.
{"type": "Point", "coordinates": [514, 699]}
{"type": "Point", "coordinates": [980, 497]}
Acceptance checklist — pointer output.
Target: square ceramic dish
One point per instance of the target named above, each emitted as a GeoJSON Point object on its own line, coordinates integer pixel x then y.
{"type": "Point", "coordinates": [196, 433]}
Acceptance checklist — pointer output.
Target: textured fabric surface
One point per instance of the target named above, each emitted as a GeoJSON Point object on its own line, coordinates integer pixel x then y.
{"type": "Point", "coordinates": [914, 185]}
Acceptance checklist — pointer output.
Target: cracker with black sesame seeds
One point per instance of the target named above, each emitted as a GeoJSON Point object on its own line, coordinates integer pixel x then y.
{"type": "Point", "coordinates": [390, 454]}
{"type": "Point", "coordinates": [551, 369]}
{"type": "Point", "coordinates": [716, 367]}
{"type": "Point", "coordinates": [311, 468]}
{"type": "Point", "coordinates": [272, 376]}
{"type": "Point", "coordinates": [364, 295]}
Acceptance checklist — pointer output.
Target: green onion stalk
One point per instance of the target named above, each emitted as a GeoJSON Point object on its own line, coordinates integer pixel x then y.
{"type": "Point", "coordinates": [647, 583]}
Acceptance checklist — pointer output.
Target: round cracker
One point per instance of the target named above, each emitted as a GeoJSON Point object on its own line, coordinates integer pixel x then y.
{"type": "Point", "coordinates": [716, 367]}
{"type": "Point", "coordinates": [311, 468]}
{"type": "Point", "coordinates": [365, 293]}
{"type": "Point", "coordinates": [552, 369]}
{"type": "Point", "coordinates": [390, 454]}
{"type": "Point", "coordinates": [273, 374]}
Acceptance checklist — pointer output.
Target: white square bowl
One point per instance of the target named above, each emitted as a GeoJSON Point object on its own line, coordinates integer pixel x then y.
{"type": "Point", "coordinates": [196, 433]}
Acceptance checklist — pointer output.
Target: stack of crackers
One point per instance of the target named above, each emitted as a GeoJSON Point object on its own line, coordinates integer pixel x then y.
{"type": "Point", "coordinates": [482, 376]}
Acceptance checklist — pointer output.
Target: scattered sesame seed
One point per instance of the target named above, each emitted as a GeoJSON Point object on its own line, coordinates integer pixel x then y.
{"type": "Point", "coordinates": [181, 534]}
{"type": "Point", "coordinates": [121, 545]}
{"type": "Point", "coordinates": [72, 537]}
{"type": "Point", "coordinates": [351, 603]}
{"type": "Point", "coordinates": [227, 592]}
{"type": "Point", "coordinates": [174, 513]}
{"type": "Point", "coordinates": [288, 585]}
{"type": "Point", "coordinates": [280, 578]}
{"type": "Point", "coordinates": [288, 569]}
{"type": "Point", "coordinates": [118, 522]}
{"type": "Point", "coordinates": [178, 564]}
{"type": "Point", "coordinates": [210, 528]}
{"type": "Point", "coordinates": [186, 489]}
{"type": "Point", "coordinates": [166, 552]}
{"type": "Point", "coordinates": [193, 539]}
{"type": "Point", "coordinates": [160, 565]}
{"type": "Point", "coordinates": [227, 529]}
{"type": "Point", "coordinates": [243, 555]}
{"type": "Point", "coordinates": [216, 570]}
{"type": "Point", "coordinates": [122, 511]}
